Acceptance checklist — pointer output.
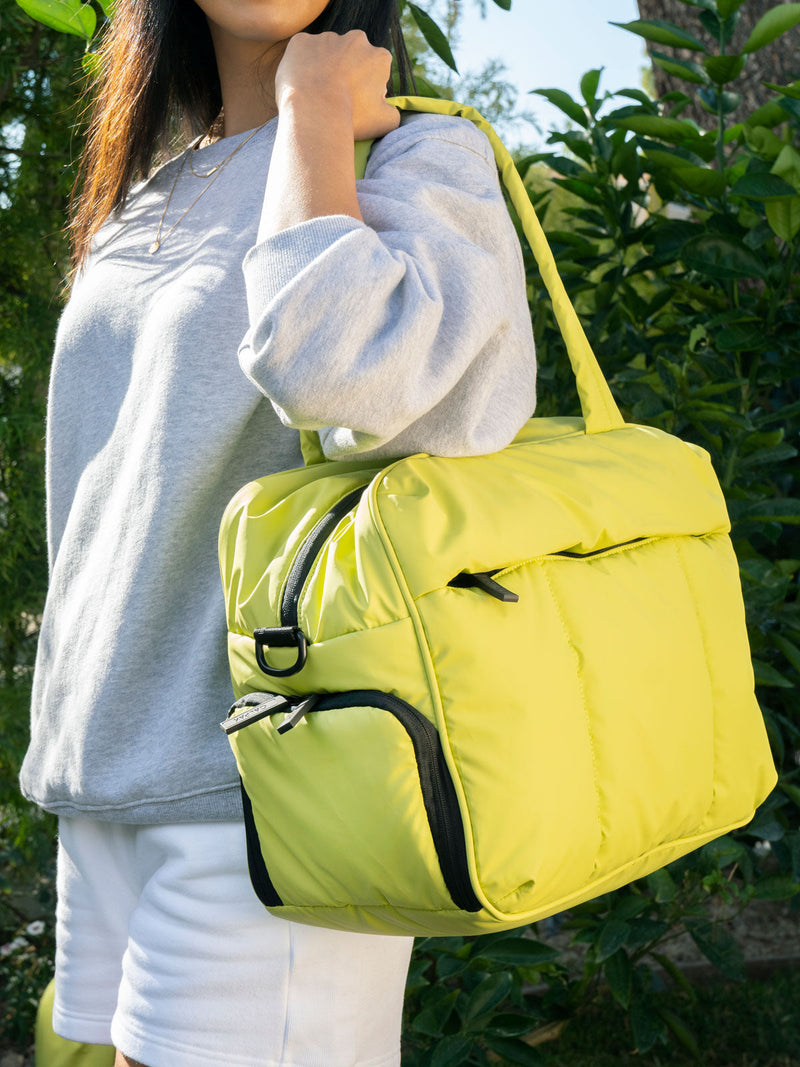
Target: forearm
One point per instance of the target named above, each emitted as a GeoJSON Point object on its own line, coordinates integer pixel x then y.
{"type": "Point", "coordinates": [312, 172]}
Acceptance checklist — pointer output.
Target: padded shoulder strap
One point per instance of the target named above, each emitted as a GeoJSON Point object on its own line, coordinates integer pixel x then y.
{"type": "Point", "coordinates": [599, 408]}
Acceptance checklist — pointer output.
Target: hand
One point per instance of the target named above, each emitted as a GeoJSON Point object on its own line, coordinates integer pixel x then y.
{"type": "Point", "coordinates": [343, 72]}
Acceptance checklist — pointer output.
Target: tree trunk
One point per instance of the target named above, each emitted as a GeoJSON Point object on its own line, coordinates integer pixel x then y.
{"type": "Point", "coordinates": [779, 62]}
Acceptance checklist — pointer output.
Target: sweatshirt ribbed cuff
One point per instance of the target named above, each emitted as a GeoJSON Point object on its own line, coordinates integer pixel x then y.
{"type": "Point", "coordinates": [272, 264]}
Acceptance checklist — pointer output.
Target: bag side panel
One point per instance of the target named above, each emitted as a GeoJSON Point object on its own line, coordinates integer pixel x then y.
{"type": "Point", "coordinates": [744, 771]}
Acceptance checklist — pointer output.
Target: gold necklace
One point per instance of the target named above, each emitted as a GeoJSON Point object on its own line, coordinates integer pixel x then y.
{"type": "Point", "coordinates": [216, 171]}
{"type": "Point", "coordinates": [195, 148]}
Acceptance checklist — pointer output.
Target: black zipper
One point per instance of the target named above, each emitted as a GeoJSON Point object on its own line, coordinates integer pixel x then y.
{"type": "Point", "coordinates": [259, 875]}
{"type": "Point", "coordinates": [599, 551]}
{"type": "Point", "coordinates": [304, 560]}
{"type": "Point", "coordinates": [438, 794]}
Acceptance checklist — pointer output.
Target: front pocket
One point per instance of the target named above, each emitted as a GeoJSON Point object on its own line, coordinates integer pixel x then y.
{"type": "Point", "coordinates": [591, 696]}
{"type": "Point", "coordinates": [352, 805]}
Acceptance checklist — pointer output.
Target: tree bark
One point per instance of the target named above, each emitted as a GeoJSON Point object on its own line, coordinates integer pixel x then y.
{"type": "Point", "coordinates": [779, 62]}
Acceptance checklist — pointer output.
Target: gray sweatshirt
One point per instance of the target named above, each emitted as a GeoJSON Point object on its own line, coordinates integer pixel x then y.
{"type": "Point", "coordinates": [182, 375]}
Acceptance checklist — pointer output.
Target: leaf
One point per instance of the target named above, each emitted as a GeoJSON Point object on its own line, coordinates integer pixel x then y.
{"type": "Point", "coordinates": [67, 16]}
{"type": "Point", "coordinates": [493, 990]}
{"type": "Point", "coordinates": [661, 32]}
{"type": "Point", "coordinates": [763, 141]}
{"type": "Point", "coordinates": [792, 91]}
{"type": "Point", "coordinates": [647, 1026]}
{"type": "Point", "coordinates": [721, 30]}
{"type": "Point", "coordinates": [637, 94]}
{"type": "Point", "coordinates": [784, 218]}
{"type": "Point", "coordinates": [728, 7]}
{"type": "Point", "coordinates": [512, 1024]}
{"type": "Point", "coordinates": [721, 257]}
{"type": "Point", "coordinates": [791, 791]}
{"type": "Point", "coordinates": [519, 952]}
{"type": "Point", "coordinates": [774, 509]}
{"type": "Point", "coordinates": [680, 1030]}
{"type": "Point", "coordinates": [92, 64]}
{"type": "Point", "coordinates": [513, 1050]}
{"type": "Point", "coordinates": [776, 22]}
{"type": "Point", "coordinates": [451, 1051]}
{"type": "Point", "coordinates": [619, 975]}
{"type": "Point", "coordinates": [662, 885]}
{"type": "Point", "coordinates": [723, 852]}
{"type": "Point", "coordinates": [612, 936]}
{"type": "Point", "coordinates": [680, 68]}
{"type": "Point", "coordinates": [767, 675]}
{"type": "Point", "coordinates": [675, 973]}
{"type": "Point", "coordinates": [581, 189]}
{"type": "Point", "coordinates": [776, 887]}
{"type": "Point", "coordinates": [504, 4]}
{"type": "Point", "coordinates": [723, 69]}
{"type": "Point", "coordinates": [762, 187]}
{"type": "Point", "coordinates": [765, 827]}
{"type": "Point", "coordinates": [701, 180]}
{"type": "Point", "coordinates": [718, 946]}
{"type": "Point", "coordinates": [790, 650]}
{"type": "Point", "coordinates": [433, 1017]}
{"type": "Point", "coordinates": [630, 905]}
{"type": "Point", "coordinates": [645, 930]}
{"type": "Point", "coordinates": [433, 35]}
{"type": "Point", "coordinates": [590, 83]}
{"type": "Point", "coordinates": [739, 337]}
{"type": "Point", "coordinates": [675, 131]}
{"type": "Point", "coordinates": [770, 115]}
{"type": "Point", "coordinates": [564, 102]}
{"type": "Point", "coordinates": [708, 5]}
{"type": "Point", "coordinates": [787, 166]}
{"type": "Point", "coordinates": [107, 7]}
{"type": "Point", "coordinates": [714, 101]}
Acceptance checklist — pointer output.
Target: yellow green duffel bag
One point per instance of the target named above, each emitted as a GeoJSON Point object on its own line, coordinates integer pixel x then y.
{"type": "Point", "coordinates": [475, 692]}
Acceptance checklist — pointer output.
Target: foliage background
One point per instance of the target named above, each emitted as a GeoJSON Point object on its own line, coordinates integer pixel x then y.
{"type": "Point", "coordinates": [678, 241]}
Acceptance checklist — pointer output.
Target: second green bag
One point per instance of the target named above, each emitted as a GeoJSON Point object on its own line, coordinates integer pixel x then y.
{"type": "Point", "coordinates": [475, 692]}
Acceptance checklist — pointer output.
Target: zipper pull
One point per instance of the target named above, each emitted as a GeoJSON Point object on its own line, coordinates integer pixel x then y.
{"type": "Point", "coordinates": [483, 580]}
{"type": "Point", "coordinates": [251, 708]}
{"type": "Point", "coordinates": [297, 713]}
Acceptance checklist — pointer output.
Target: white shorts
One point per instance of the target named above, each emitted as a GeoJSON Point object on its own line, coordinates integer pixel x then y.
{"type": "Point", "coordinates": [163, 950]}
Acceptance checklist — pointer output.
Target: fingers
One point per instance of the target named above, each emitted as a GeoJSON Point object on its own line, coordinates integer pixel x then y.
{"type": "Point", "coordinates": [343, 71]}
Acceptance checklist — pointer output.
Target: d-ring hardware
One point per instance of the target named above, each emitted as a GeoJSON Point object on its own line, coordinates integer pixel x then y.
{"type": "Point", "coordinates": [281, 637]}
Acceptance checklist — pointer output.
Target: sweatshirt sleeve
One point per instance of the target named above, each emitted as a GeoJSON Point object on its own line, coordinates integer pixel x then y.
{"type": "Point", "coordinates": [410, 331]}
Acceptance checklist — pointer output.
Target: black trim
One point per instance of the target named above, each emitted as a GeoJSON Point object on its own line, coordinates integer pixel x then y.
{"type": "Point", "coordinates": [438, 795]}
{"type": "Point", "coordinates": [304, 560]}
{"type": "Point", "coordinates": [259, 875]}
{"type": "Point", "coordinates": [599, 551]}
{"type": "Point", "coordinates": [438, 791]}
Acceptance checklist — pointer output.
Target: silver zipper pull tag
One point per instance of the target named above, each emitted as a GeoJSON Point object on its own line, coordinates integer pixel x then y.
{"type": "Point", "coordinates": [297, 713]}
{"type": "Point", "coordinates": [251, 708]}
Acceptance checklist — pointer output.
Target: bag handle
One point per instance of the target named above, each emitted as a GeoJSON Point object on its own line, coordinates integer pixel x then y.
{"type": "Point", "coordinates": [599, 409]}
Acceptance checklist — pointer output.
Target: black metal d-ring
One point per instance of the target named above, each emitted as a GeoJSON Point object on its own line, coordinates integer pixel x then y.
{"type": "Point", "coordinates": [281, 637]}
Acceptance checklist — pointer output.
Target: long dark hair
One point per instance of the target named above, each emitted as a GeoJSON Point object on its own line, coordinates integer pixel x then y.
{"type": "Point", "coordinates": [159, 71]}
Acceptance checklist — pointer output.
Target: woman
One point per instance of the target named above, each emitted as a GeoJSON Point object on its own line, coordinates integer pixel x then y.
{"type": "Point", "coordinates": [240, 293]}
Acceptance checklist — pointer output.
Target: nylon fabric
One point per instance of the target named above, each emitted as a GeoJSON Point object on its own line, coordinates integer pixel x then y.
{"type": "Point", "coordinates": [597, 728]}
